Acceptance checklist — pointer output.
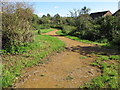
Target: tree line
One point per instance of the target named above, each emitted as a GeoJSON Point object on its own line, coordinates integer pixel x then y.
{"type": "Point", "coordinates": [81, 24]}
{"type": "Point", "coordinates": [19, 22]}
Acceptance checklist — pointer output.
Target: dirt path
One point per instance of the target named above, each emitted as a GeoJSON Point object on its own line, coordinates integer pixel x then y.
{"type": "Point", "coordinates": [68, 69]}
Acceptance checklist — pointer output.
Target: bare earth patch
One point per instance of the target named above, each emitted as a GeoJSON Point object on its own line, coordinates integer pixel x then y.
{"type": "Point", "coordinates": [68, 69]}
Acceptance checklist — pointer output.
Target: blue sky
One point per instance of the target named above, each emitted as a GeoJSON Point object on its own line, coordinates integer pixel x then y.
{"type": "Point", "coordinates": [63, 8]}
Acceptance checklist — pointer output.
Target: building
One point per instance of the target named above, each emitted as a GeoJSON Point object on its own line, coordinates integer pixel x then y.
{"type": "Point", "coordinates": [100, 14]}
{"type": "Point", "coordinates": [117, 13]}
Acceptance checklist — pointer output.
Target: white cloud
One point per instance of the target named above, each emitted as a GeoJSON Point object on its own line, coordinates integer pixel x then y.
{"type": "Point", "coordinates": [56, 7]}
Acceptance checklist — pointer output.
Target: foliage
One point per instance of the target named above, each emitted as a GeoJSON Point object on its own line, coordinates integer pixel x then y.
{"type": "Point", "coordinates": [46, 30]}
{"type": "Point", "coordinates": [39, 32]}
{"type": "Point", "coordinates": [70, 21]}
{"type": "Point", "coordinates": [80, 24]}
{"type": "Point", "coordinates": [44, 26]}
{"type": "Point", "coordinates": [35, 20]}
{"type": "Point", "coordinates": [76, 13]}
{"type": "Point", "coordinates": [103, 30]}
{"type": "Point", "coordinates": [12, 65]}
{"type": "Point", "coordinates": [114, 57]}
{"type": "Point", "coordinates": [109, 77]}
{"type": "Point", "coordinates": [68, 29]}
{"type": "Point", "coordinates": [57, 26]}
{"type": "Point", "coordinates": [83, 57]}
{"type": "Point", "coordinates": [56, 19]}
{"type": "Point", "coordinates": [59, 32]}
{"type": "Point", "coordinates": [109, 29]}
{"type": "Point", "coordinates": [16, 24]}
{"type": "Point", "coordinates": [107, 26]}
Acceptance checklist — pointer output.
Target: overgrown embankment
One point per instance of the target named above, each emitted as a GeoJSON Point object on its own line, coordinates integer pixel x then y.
{"type": "Point", "coordinates": [40, 48]}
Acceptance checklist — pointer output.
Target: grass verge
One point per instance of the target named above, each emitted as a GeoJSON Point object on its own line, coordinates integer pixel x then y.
{"type": "Point", "coordinates": [44, 30]}
{"type": "Point", "coordinates": [109, 68]}
{"type": "Point", "coordinates": [13, 64]}
{"type": "Point", "coordinates": [107, 45]}
{"type": "Point", "coordinates": [59, 32]}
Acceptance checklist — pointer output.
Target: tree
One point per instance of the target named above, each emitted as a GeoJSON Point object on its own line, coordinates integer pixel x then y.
{"type": "Point", "coordinates": [107, 27]}
{"type": "Point", "coordinates": [35, 19]}
{"type": "Point", "coordinates": [48, 15]}
{"type": "Point", "coordinates": [57, 19]}
{"type": "Point", "coordinates": [85, 10]}
{"type": "Point", "coordinates": [76, 13]}
{"type": "Point", "coordinates": [43, 16]}
{"type": "Point", "coordinates": [116, 32]}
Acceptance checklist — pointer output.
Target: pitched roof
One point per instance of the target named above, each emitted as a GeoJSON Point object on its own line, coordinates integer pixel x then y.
{"type": "Point", "coordinates": [116, 12]}
{"type": "Point", "coordinates": [98, 14]}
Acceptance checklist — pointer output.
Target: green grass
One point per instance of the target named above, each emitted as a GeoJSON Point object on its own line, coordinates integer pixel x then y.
{"type": "Point", "coordinates": [83, 57]}
{"type": "Point", "coordinates": [59, 32]}
{"type": "Point", "coordinates": [107, 45]}
{"type": "Point", "coordinates": [44, 30]}
{"type": "Point", "coordinates": [114, 57]}
{"type": "Point", "coordinates": [109, 76]}
{"type": "Point", "coordinates": [23, 47]}
{"type": "Point", "coordinates": [13, 64]}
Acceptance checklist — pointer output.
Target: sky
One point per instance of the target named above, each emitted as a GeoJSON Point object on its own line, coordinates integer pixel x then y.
{"type": "Point", "coordinates": [63, 8]}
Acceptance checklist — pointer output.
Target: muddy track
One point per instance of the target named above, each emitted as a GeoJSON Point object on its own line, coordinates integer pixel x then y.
{"type": "Point", "coordinates": [67, 69]}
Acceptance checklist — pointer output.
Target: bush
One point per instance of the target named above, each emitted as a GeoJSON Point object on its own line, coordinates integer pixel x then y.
{"type": "Point", "coordinates": [45, 26]}
{"type": "Point", "coordinates": [39, 32]}
{"type": "Point", "coordinates": [116, 39]}
{"type": "Point", "coordinates": [16, 24]}
{"type": "Point", "coordinates": [116, 32]}
{"type": "Point", "coordinates": [107, 27]}
{"type": "Point", "coordinates": [57, 26]}
{"type": "Point", "coordinates": [68, 29]}
{"type": "Point", "coordinates": [86, 29]}
{"type": "Point", "coordinates": [102, 40]}
{"type": "Point", "coordinates": [36, 27]}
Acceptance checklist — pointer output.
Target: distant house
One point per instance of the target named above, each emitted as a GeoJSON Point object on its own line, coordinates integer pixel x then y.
{"type": "Point", "coordinates": [117, 13]}
{"type": "Point", "coordinates": [100, 14]}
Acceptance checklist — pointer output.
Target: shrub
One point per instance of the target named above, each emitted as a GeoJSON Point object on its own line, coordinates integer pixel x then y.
{"type": "Point", "coordinates": [57, 26]}
{"type": "Point", "coordinates": [45, 26]}
{"type": "Point", "coordinates": [68, 29]}
{"type": "Point", "coordinates": [116, 40]}
{"type": "Point", "coordinates": [39, 32]}
{"type": "Point", "coordinates": [16, 24]}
